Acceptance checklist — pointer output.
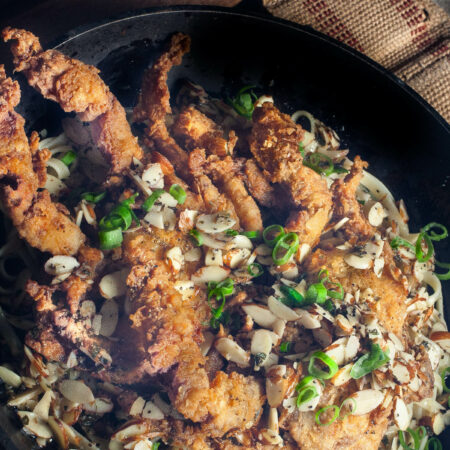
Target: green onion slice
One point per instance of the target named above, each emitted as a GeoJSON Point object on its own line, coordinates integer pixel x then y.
{"type": "Point", "coordinates": [121, 216]}
{"type": "Point", "coordinates": [306, 394]}
{"type": "Point", "coordinates": [433, 235]}
{"type": "Point", "coordinates": [243, 102]}
{"type": "Point", "coordinates": [155, 445]}
{"type": "Point", "coordinates": [313, 370]}
{"type": "Point", "coordinates": [222, 289]}
{"type": "Point", "coordinates": [110, 238]}
{"type": "Point", "coordinates": [304, 382]}
{"type": "Point", "coordinates": [272, 234]}
{"type": "Point", "coordinates": [285, 248]}
{"type": "Point", "coordinates": [415, 437]}
{"type": "Point", "coordinates": [430, 248]}
{"type": "Point", "coordinates": [285, 347]}
{"type": "Point", "coordinates": [338, 294]}
{"type": "Point", "coordinates": [69, 158]}
{"type": "Point", "coordinates": [231, 232]}
{"type": "Point", "coordinates": [255, 269]}
{"type": "Point", "coordinates": [398, 241]}
{"type": "Point", "coordinates": [150, 201]}
{"type": "Point", "coordinates": [352, 409]}
{"type": "Point", "coordinates": [326, 408]}
{"type": "Point", "coordinates": [369, 362]}
{"type": "Point", "coordinates": [301, 149]}
{"type": "Point", "coordinates": [329, 306]}
{"type": "Point", "coordinates": [443, 276]}
{"type": "Point", "coordinates": [444, 374]}
{"type": "Point", "coordinates": [93, 197]}
{"type": "Point", "coordinates": [316, 293]}
{"type": "Point", "coordinates": [320, 163]}
{"type": "Point", "coordinates": [294, 297]}
{"type": "Point", "coordinates": [251, 234]}
{"type": "Point", "coordinates": [178, 193]}
{"type": "Point", "coordinates": [433, 444]}
{"type": "Point", "coordinates": [323, 275]}
{"type": "Point", "coordinates": [196, 236]}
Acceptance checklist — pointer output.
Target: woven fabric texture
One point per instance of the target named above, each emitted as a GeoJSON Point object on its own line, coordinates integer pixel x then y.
{"type": "Point", "coordinates": [409, 37]}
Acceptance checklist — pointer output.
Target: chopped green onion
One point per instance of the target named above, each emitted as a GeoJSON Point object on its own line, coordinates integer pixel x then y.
{"type": "Point", "coordinates": [220, 291]}
{"type": "Point", "coordinates": [301, 149]}
{"type": "Point", "coordinates": [243, 103]}
{"type": "Point", "coordinates": [369, 362]}
{"type": "Point", "coordinates": [231, 232]}
{"type": "Point", "coordinates": [285, 347]}
{"type": "Point", "coordinates": [251, 234]}
{"type": "Point", "coordinates": [155, 445]}
{"type": "Point", "coordinates": [398, 241]}
{"type": "Point", "coordinates": [327, 361]}
{"type": "Point", "coordinates": [303, 382]}
{"type": "Point", "coordinates": [294, 297]}
{"type": "Point", "coordinates": [322, 410]}
{"type": "Point", "coordinates": [272, 234]}
{"type": "Point", "coordinates": [444, 374]}
{"type": "Point", "coordinates": [329, 306]}
{"type": "Point", "coordinates": [178, 193]}
{"type": "Point", "coordinates": [258, 267]}
{"type": "Point", "coordinates": [352, 409]}
{"type": "Point", "coordinates": [92, 197]}
{"type": "Point", "coordinates": [443, 276]}
{"type": "Point", "coordinates": [339, 169]}
{"type": "Point", "coordinates": [430, 248]}
{"type": "Point", "coordinates": [120, 216]}
{"type": "Point", "coordinates": [323, 275]}
{"type": "Point", "coordinates": [150, 201]}
{"type": "Point", "coordinates": [285, 248]}
{"type": "Point", "coordinates": [306, 394]}
{"type": "Point", "coordinates": [433, 235]}
{"type": "Point", "coordinates": [415, 437]}
{"type": "Point", "coordinates": [69, 158]}
{"type": "Point", "coordinates": [320, 163]}
{"type": "Point", "coordinates": [110, 238]}
{"type": "Point", "coordinates": [316, 293]}
{"type": "Point", "coordinates": [198, 238]}
{"type": "Point", "coordinates": [436, 444]}
{"type": "Point", "coordinates": [336, 294]}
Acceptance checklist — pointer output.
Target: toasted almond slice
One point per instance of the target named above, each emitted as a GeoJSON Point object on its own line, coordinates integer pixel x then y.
{"type": "Point", "coordinates": [25, 397]}
{"type": "Point", "coordinates": [206, 344]}
{"type": "Point", "coordinates": [442, 338]}
{"type": "Point", "coordinates": [378, 265]}
{"type": "Point", "coordinates": [375, 214]}
{"type": "Point", "coordinates": [358, 262]}
{"type": "Point", "coordinates": [336, 351]}
{"type": "Point", "coordinates": [43, 406]}
{"type": "Point", "coordinates": [214, 257]}
{"type": "Point", "coordinates": [60, 264]}
{"type": "Point", "coordinates": [185, 288]}
{"type": "Point", "coordinates": [401, 415]}
{"type": "Point", "coordinates": [10, 377]}
{"type": "Point", "coordinates": [343, 324]}
{"type": "Point", "coordinates": [175, 258]}
{"type": "Point", "coordinates": [130, 430]}
{"type": "Point", "coordinates": [260, 314]}
{"type": "Point", "coordinates": [272, 421]}
{"type": "Point", "coordinates": [32, 424]}
{"type": "Point", "coordinates": [151, 411]}
{"type": "Point", "coordinates": [231, 351]}
{"type": "Point", "coordinates": [153, 176]}
{"type": "Point", "coordinates": [76, 391]}
{"type": "Point", "coordinates": [401, 373]}
{"type": "Point", "coordinates": [186, 220]}
{"type": "Point", "coordinates": [155, 218]}
{"type": "Point", "coordinates": [367, 400]}
{"type": "Point", "coordinates": [281, 310]}
{"type": "Point", "coordinates": [316, 309]}
{"type": "Point", "coordinates": [207, 274]}
{"type": "Point", "coordinates": [276, 385]}
{"type": "Point", "coordinates": [215, 223]}
{"type": "Point", "coordinates": [101, 405]}
{"type": "Point", "coordinates": [435, 422]}
{"type": "Point", "coordinates": [59, 431]}
{"type": "Point", "coordinates": [342, 375]}
{"type": "Point", "coordinates": [110, 317]}
{"type": "Point", "coordinates": [307, 320]}
{"type": "Point", "coordinates": [323, 336]}
{"type": "Point", "coordinates": [137, 407]}
{"type": "Point", "coordinates": [236, 257]}
{"type": "Point", "coordinates": [261, 342]}
{"type": "Point", "coordinates": [194, 254]}
{"type": "Point", "coordinates": [239, 241]}
{"type": "Point", "coordinates": [114, 284]}
{"type": "Point", "coordinates": [351, 348]}
{"type": "Point", "coordinates": [302, 252]}
{"type": "Point", "coordinates": [278, 328]}
{"type": "Point", "coordinates": [270, 437]}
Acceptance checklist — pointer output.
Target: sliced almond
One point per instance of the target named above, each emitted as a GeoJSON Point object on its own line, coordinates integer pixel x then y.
{"type": "Point", "coordinates": [214, 257]}
{"type": "Point", "coordinates": [378, 265]}
{"type": "Point", "coordinates": [175, 258]}
{"type": "Point", "coordinates": [60, 264]}
{"type": "Point", "coordinates": [236, 257]}
{"type": "Point", "coordinates": [375, 214]}
{"type": "Point", "coordinates": [76, 391]}
{"type": "Point", "coordinates": [367, 400]}
{"type": "Point", "coordinates": [151, 411]}
{"type": "Point", "coordinates": [239, 241]}
{"type": "Point", "coordinates": [43, 406]}
{"type": "Point", "coordinates": [276, 385]}
{"type": "Point", "coordinates": [231, 351]}
{"type": "Point", "coordinates": [99, 406]}
{"type": "Point", "coordinates": [130, 430]}
{"type": "Point", "coordinates": [185, 288]}
{"type": "Point", "coordinates": [401, 373]}
{"type": "Point", "coordinates": [110, 317]}
{"type": "Point", "coordinates": [278, 328]}
{"type": "Point", "coordinates": [267, 436]}
{"type": "Point", "coordinates": [271, 360]}
{"type": "Point", "coordinates": [192, 255]}
{"type": "Point", "coordinates": [137, 407]}
{"type": "Point", "coordinates": [153, 176]}
{"type": "Point", "coordinates": [358, 262]}
{"type": "Point", "coordinates": [186, 220]}
{"type": "Point", "coordinates": [351, 348]}
{"type": "Point", "coordinates": [281, 310]}
{"type": "Point", "coordinates": [207, 342]}
{"type": "Point", "coordinates": [302, 253]}
{"type": "Point", "coordinates": [10, 377]}
{"type": "Point", "coordinates": [342, 376]}
{"type": "Point", "coordinates": [155, 218]}
{"type": "Point", "coordinates": [114, 284]}
{"type": "Point", "coordinates": [336, 351]}
{"type": "Point", "coordinates": [442, 338]}
{"type": "Point", "coordinates": [322, 336]}
{"type": "Point", "coordinates": [261, 342]}
{"type": "Point", "coordinates": [401, 415]}
{"type": "Point", "coordinates": [272, 421]}
{"type": "Point", "coordinates": [215, 223]}
{"type": "Point", "coordinates": [435, 422]}
{"type": "Point", "coordinates": [260, 314]}
{"type": "Point", "coordinates": [87, 309]}
{"type": "Point", "coordinates": [343, 324]}
{"type": "Point", "coordinates": [210, 273]}
{"type": "Point", "coordinates": [307, 320]}
{"type": "Point", "coordinates": [33, 425]}
{"type": "Point", "coordinates": [25, 397]}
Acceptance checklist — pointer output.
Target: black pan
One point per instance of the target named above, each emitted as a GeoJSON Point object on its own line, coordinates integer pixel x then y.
{"type": "Point", "coordinates": [405, 141]}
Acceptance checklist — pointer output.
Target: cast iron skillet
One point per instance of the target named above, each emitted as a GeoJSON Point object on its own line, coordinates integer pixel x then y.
{"type": "Point", "coordinates": [405, 141]}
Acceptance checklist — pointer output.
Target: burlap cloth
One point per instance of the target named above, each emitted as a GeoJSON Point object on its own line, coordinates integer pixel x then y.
{"type": "Point", "coordinates": [408, 37]}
